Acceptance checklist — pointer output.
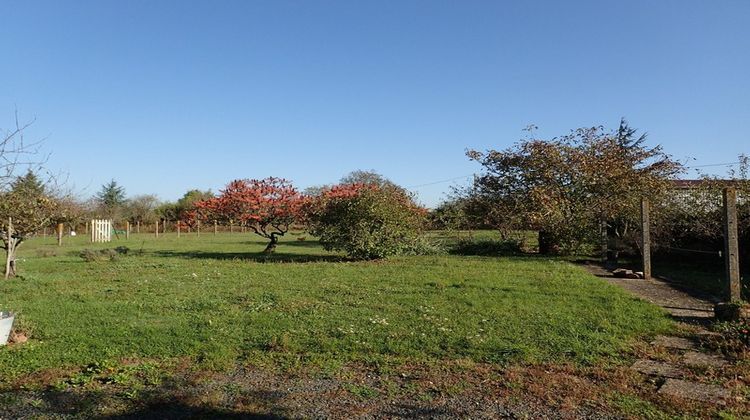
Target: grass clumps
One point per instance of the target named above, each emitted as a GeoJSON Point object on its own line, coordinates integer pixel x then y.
{"type": "Point", "coordinates": [107, 254]}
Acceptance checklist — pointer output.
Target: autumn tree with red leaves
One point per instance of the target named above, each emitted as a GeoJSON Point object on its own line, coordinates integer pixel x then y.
{"type": "Point", "coordinates": [268, 207]}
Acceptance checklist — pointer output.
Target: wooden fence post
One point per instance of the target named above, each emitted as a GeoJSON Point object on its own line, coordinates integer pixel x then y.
{"type": "Point", "coordinates": [178, 229]}
{"type": "Point", "coordinates": [198, 228]}
{"type": "Point", "coordinates": [646, 238]}
{"type": "Point", "coordinates": [138, 227]}
{"type": "Point", "coordinates": [231, 227]}
{"type": "Point", "coordinates": [127, 229]}
{"type": "Point", "coordinates": [731, 245]}
{"type": "Point", "coordinates": [60, 228]}
{"type": "Point", "coordinates": [157, 229]}
{"type": "Point", "coordinates": [216, 227]}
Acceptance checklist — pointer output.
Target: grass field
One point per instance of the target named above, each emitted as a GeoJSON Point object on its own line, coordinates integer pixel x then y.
{"type": "Point", "coordinates": [217, 301]}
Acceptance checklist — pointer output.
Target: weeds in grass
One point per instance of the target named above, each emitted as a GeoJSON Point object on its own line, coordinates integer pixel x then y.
{"type": "Point", "coordinates": [631, 405]}
{"type": "Point", "coordinates": [46, 253]}
{"type": "Point", "coordinates": [91, 255]}
{"type": "Point", "coordinates": [111, 373]}
{"type": "Point", "coordinates": [362, 391]}
{"type": "Point", "coordinates": [734, 339]}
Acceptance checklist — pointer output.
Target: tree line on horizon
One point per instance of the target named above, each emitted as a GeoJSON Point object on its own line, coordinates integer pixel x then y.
{"type": "Point", "coordinates": [111, 200]}
{"type": "Point", "coordinates": [573, 190]}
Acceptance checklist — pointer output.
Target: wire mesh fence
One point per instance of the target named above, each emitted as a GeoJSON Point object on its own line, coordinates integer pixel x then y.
{"type": "Point", "coordinates": [689, 234]}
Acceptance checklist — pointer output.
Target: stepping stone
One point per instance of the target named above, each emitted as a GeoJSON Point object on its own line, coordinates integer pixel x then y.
{"type": "Point", "coordinates": [651, 367]}
{"type": "Point", "coordinates": [695, 359]}
{"type": "Point", "coordinates": [677, 343]}
{"type": "Point", "coordinates": [694, 391]}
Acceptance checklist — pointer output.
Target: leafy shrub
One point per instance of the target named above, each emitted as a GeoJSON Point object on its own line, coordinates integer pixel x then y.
{"type": "Point", "coordinates": [423, 246]}
{"type": "Point", "coordinates": [367, 221]}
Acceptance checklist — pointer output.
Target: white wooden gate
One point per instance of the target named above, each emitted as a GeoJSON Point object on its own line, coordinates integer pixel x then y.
{"type": "Point", "coordinates": [101, 230]}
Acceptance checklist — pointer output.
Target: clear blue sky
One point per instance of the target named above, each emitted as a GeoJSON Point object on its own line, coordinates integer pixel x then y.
{"type": "Point", "coordinates": [165, 96]}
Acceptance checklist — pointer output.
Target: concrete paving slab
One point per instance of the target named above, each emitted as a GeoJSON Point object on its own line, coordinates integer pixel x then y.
{"type": "Point", "coordinates": [694, 391]}
{"type": "Point", "coordinates": [696, 359]}
{"type": "Point", "coordinates": [654, 368]}
{"type": "Point", "coordinates": [677, 343]}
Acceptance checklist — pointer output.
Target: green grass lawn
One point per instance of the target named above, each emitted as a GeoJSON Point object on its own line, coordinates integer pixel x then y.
{"type": "Point", "coordinates": [217, 301]}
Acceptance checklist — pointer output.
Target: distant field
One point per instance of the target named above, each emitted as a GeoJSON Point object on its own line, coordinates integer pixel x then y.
{"type": "Point", "coordinates": [217, 301]}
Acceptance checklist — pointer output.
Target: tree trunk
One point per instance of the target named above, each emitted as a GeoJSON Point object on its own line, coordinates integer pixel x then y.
{"type": "Point", "coordinates": [545, 243]}
{"type": "Point", "coordinates": [615, 244]}
{"type": "Point", "coordinates": [271, 247]}
{"type": "Point", "coordinates": [10, 266]}
{"type": "Point", "coordinates": [10, 258]}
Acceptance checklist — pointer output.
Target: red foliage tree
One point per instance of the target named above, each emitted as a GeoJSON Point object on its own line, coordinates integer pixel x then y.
{"type": "Point", "coordinates": [268, 207]}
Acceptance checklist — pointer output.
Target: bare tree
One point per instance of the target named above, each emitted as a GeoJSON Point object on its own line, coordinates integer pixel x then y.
{"type": "Point", "coordinates": [23, 210]}
{"type": "Point", "coordinates": [16, 152]}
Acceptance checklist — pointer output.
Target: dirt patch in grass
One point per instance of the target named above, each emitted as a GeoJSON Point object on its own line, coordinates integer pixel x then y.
{"type": "Point", "coordinates": [458, 388]}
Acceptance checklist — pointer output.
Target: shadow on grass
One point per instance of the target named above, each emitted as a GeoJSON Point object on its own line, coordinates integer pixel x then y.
{"type": "Point", "coordinates": [694, 320]}
{"type": "Point", "coordinates": [184, 400]}
{"type": "Point", "coordinates": [161, 403]}
{"type": "Point", "coordinates": [501, 250]}
{"type": "Point", "coordinates": [709, 295]}
{"type": "Point", "coordinates": [487, 248]}
{"type": "Point", "coordinates": [178, 410]}
{"type": "Point", "coordinates": [293, 244]}
{"type": "Point", "coordinates": [252, 256]}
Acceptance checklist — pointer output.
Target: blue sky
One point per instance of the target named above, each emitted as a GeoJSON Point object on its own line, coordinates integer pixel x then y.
{"type": "Point", "coordinates": [165, 96]}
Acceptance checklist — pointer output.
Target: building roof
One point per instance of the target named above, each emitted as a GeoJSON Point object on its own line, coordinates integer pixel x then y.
{"type": "Point", "coordinates": [686, 184]}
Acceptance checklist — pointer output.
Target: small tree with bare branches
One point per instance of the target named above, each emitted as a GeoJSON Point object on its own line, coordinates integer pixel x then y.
{"type": "Point", "coordinates": [25, 205]}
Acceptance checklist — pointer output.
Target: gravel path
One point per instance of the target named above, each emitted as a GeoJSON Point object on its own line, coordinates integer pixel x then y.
{"type": "Point", "coordinates": [686, 306]}
{"type": "Point", "coordinates": [258, 393]}
{"type": "Point", "coordinates": [692, 373]}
